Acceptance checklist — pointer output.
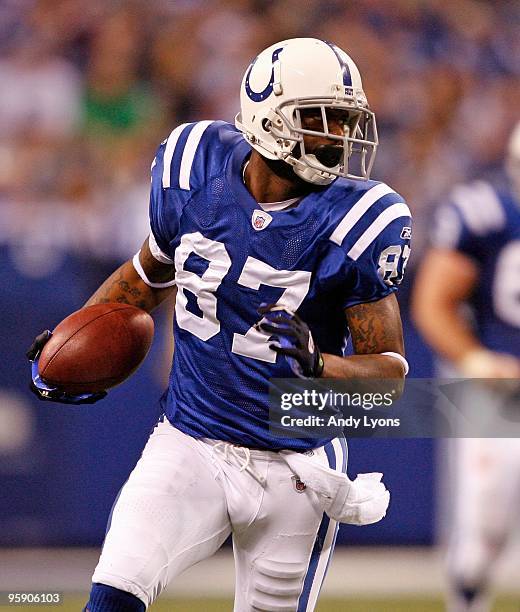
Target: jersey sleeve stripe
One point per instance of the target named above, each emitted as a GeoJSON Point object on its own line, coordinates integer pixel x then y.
{"type": "Point", "coordinates": [156, 251]}
{"type": "Point", "coordinates": [372, 232]}
{"type": "Point", "coordinates": [171, 143]}
{"type": "Point", "coordinates": [358, 210]}
{"type": "Point", "coordinates": [447, 228]}
{"type": "Point", "coordinates": [188, 154]}
{"type": "Point", "coordinates": [480, 207]}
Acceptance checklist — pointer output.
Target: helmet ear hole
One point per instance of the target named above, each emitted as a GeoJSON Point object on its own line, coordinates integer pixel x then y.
{"type": "Point", "coordinates": [266, 125]}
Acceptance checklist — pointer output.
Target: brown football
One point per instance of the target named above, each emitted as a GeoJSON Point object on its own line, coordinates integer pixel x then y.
{"type": "Point", "coordinates": [96, 348]}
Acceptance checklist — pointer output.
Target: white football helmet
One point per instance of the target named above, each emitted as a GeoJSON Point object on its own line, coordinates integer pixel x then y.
{"type": "Point", "coordinates": [307, 73]}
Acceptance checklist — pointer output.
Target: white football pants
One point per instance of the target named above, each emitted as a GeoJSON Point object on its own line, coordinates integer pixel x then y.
{"type": "Point", "coordinates": [487, 501]}
{"type": "Point", "coordinates": [186, 495]}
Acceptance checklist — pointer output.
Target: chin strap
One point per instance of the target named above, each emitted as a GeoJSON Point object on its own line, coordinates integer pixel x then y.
{"type": "Point", "coordinates": [308, 173]}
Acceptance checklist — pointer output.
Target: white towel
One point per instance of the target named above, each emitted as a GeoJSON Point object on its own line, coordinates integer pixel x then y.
{"type": "Point", "coordinates": [362, 501]}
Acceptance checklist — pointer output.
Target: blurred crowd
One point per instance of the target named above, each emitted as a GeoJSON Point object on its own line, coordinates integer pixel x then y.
{"type": "Point", "coordinates": [89, 89]}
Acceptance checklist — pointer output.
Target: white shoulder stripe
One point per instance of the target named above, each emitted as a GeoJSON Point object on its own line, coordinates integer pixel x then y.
{"type": "Point", "coordinates": [464, 199]}
{"type": "Point", "coordinates": [372, 232]}
{"type": "Point", "coordinates": [189, 153]}
{"type": "Point", "coordinates": [447, 228]}
{"type": "Point", "coordinates": [480, 207]}
{"type": "Point", "coordinates": [171, 143]}
{"type": "Point", "coordinates": [358, 210]}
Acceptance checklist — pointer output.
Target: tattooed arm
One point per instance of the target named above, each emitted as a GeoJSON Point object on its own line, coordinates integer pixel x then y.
{"type": "Point", "coordinates": [125, 285]}
{"type": "Point", "coordinates": [375, 328]}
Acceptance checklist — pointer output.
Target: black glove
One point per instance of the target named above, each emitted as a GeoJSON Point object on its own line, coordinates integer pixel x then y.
{"type": "Point", "coordinates": [47, 393]}
{"type": "Point", "coordinates": [294, 340]}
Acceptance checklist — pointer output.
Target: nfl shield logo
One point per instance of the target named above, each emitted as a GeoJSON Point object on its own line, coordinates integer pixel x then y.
{"type": "Point", "coordinates": [298, 484]}
{"type": "Point", "coordinates": [260, 219]}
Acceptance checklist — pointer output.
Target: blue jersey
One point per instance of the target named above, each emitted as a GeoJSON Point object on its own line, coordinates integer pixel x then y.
{"type": "Point", "coordinates": [483, 223]}
{"type": "Point", "coordinates": [340, 246]}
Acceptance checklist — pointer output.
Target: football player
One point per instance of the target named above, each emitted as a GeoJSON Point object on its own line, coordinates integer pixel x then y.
{"type": "Point", "coordinates": [278, 247]}
{"type": "Point", "coordinates": [475, 261]}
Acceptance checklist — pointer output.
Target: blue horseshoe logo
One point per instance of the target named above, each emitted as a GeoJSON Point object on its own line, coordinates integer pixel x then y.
{"type": "Point", "coordinates": [259, 96]}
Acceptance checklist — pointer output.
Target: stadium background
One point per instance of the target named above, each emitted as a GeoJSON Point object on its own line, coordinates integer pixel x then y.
{"type": "Point", "coordinates": [87, 92]}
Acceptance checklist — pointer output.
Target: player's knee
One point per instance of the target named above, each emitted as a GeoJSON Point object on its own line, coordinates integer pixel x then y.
{"type": "Point", "coordinates": [104, 598]}
{"type": "Point", "coordinates": [275, 585]}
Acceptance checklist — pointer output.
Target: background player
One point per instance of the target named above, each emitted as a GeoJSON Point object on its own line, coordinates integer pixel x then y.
{"type": "Point", "coordinates": [475, 261]}
{"type": "Point", "coordinates": [253, 230]}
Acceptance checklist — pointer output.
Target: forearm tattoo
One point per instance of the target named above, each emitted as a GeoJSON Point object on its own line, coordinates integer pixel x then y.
{"type": "Point", "coordinates": [117, 289]}
{"type": "Point", "coordinates": [375, 327]}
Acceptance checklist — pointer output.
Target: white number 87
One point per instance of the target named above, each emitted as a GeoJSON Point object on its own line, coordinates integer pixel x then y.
{"type": "Point", "coordinates": [254, 273]}
{"type": "Point", "coordinates": [388, 264]}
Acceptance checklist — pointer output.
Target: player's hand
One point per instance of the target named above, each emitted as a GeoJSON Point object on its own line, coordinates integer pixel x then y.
{"type": "Point", "coordinates": [482, 363]}
{"type": "Point", "coordinates": [48, 393]}
{"type": "Point", "coordinates": [293, 339]}
{"type": "Point", "coordinates": [366, 501]}
{"type": "Point", "coordinates": [499, 372]}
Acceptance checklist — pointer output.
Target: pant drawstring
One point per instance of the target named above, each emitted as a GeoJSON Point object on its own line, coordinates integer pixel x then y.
{"type": "Point", "coordinates": [242, 455]}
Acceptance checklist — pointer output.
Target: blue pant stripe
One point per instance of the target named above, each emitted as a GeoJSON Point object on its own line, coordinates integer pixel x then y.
{"type": "Point", "coordinates": [344, 448]}
{"type": "Point", "coordinates": [331, 455]}
{"type": "Point", "coordinates": [344, 453]}
{"type": "Point", "coordinates": [318, 543]}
